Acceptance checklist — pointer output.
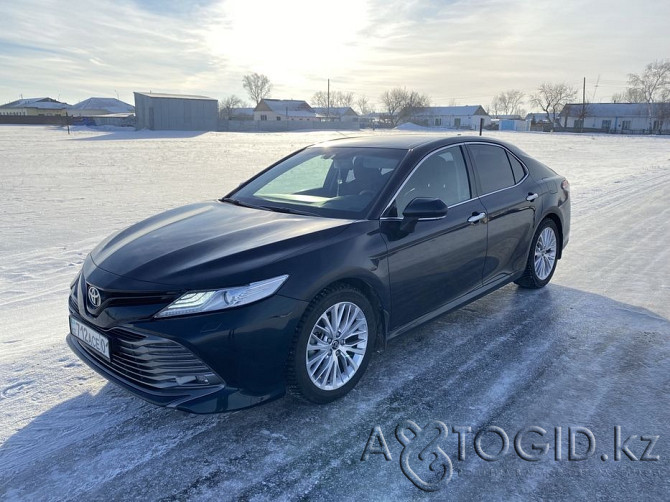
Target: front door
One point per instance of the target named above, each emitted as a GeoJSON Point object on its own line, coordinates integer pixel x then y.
{"type": "Point", "coordinates": [441, 259]}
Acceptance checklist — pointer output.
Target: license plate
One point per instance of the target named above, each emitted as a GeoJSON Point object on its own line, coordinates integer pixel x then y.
{"type": "Point", "coordinates": [93, 339]}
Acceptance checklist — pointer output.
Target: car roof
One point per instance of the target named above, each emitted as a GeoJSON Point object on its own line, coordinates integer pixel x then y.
{"type": "Point", "coordinates": [401, 141]}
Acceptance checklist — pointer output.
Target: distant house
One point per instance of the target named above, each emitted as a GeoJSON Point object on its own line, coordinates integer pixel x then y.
{"type": "Point", "coordinates": [538, 121]}
{"type": "Point", "coordinates": [92, 107]}
{"type": "Point", "coordinates": [617, 117]}
{"type": "Point", "coordinates": [337, 113]}
{"type": "Point", "coordinates": [284, 109]}
{"type": "Point", "coordinates": [35, 107]}
{"type": "Point", "coordinates": [176, 112]}
{"type": "Point", "coordinates": [372, 119]}
{"type": "Point", "coordinates": [455, 117]}
{"type": "Point", "coordinates": [538, 118]}
{"type": "Point", "coordinates": [513, 124]}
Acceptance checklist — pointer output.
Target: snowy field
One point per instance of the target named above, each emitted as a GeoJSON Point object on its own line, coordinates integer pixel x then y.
{"type": "Point", "coordinates": [592, 349]}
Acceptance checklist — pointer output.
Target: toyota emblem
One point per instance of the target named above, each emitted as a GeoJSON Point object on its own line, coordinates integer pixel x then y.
{"type": "Point", "coordinates": [94, 296]}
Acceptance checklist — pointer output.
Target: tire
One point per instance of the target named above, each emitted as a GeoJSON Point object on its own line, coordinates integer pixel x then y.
{"type": "Point", "coordinates": [542, 257]}
{"type": "Point", "coordinates": [323, 367]}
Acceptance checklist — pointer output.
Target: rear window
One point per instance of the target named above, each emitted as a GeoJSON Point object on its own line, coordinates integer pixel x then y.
{"type": "Point", "coordinates": [517, 168]}
{"type": "Point", "coordinates": [493, 167]}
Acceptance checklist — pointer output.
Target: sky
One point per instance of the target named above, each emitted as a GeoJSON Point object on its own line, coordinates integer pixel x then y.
{"type": "Point", "coordinates": [455, 51]}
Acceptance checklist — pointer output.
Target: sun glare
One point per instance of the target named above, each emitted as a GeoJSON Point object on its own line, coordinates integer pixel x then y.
{"type": "Point", "coordinates": [291, 40]}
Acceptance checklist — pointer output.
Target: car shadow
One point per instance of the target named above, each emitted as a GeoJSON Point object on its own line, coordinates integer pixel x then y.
{"type": "Point", "coordinates": [556, 357]}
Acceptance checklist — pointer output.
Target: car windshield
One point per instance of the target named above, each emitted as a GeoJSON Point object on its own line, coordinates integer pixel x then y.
{"type": "Point", "coordinates": [332, 182]}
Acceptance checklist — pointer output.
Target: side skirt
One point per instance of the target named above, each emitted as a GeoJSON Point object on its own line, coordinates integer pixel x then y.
{"type": "Point", "coordinates": [453, 305]}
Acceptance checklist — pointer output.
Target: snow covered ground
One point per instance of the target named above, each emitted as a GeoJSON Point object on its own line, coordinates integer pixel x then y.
{"type": "Point", "coordinates": [591, 350]}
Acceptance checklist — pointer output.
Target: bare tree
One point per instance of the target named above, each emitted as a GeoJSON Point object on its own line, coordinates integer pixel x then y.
{"type": "Point", "coordinates": [653, 84]}
{"type": "Point", "coordinates": [344, 99]}
{"type": "Point", "coordinates": [400, 105]}
{"type": "Point", "coordinates": [363, 105]}
{"type": "Point", "coordinates": [336, 99]}
{"type": "Point", "coordinates": [630, 95]}
{"type": "Point", "coordinates": [393, 101]}
{"type": "Point", "coordinates": [508, 102]}
{"type": "Point", "coordinates": [320, 99]}
{"type": "Point", "coordinates": [551, 98]}
{"type": "Point", "coordinates": [227, 105]}
{"type": "Point", "coordinates": [257, 86]}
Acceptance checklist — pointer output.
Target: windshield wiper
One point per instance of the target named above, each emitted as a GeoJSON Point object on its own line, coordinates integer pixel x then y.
{"type": "Point", "coordinates": [287, 210]}
{"type": "Point", "coordinates": [237, 202]}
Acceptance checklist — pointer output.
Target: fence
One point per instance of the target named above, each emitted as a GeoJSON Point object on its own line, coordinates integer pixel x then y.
{"type": "Point", "coordinates": [34, 119]}
{"type": "Point", "coordinates": [284, 125]}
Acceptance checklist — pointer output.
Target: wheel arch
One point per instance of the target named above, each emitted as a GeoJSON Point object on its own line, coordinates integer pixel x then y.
{"type": "Point", "coordinates": [375, 300]}
{"type": "Point", "coordinates": [559, 225]}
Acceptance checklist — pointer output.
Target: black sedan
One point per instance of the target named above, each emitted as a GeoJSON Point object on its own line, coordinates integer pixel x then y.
{"type": "Point", "coordinates": [293, 279]}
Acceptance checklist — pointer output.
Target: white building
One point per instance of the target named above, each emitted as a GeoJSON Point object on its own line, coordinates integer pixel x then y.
{"type": "Point", "coordinates": [617, 117]}
{"type": "Point", "coordinates": [35, 107]}
{"type": "Point", "coordinates": [284, 109]}
{"type": "Point", "coordinates": [337, 113]}
{"type": "Point", "coordinates": [455, 117]}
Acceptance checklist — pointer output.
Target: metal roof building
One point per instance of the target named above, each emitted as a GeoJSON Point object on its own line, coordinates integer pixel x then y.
{"type": "Point", "coordinates": [100, 106]}
{"type": "Point", "coordinates": [175, 112]}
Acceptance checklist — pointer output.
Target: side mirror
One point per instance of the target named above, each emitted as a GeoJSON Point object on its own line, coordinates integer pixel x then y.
{"type": "Point", "coordinates": [424, 207]}
{"type": "Point", "coordinates": [419, 209]}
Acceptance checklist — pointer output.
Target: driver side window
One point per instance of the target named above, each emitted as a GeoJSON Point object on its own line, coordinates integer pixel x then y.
{"type": "Point", "coordinates": [442, 175]}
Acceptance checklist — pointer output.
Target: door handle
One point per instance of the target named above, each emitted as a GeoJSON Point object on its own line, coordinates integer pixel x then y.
{"type": "Point", "coordinates": [531, 197]}
{"type": "Point", "coordinates": [476, 217]}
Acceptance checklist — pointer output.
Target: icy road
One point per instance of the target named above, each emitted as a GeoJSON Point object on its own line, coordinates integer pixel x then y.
{"type": "Point", "coordinates": [587, 354]}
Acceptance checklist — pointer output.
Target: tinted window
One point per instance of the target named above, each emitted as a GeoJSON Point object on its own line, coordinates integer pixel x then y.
{"type": "Point", "coordinates": [442, 175]}
{"type": "Point", "coordinates": [517, 168]}
{"type": "Point", "coordinates": [493, 167]}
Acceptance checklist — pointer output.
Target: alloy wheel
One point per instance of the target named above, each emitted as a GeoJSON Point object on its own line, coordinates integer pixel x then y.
{"type": "Point", "coordinates": [336, 346]}
{"type": "Point", "coordinates": [545, 253]}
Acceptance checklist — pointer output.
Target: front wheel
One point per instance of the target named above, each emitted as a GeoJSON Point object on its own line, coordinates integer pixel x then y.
{"type": "Point", "coordinates": [542, 258]}
{"type": "Point", "coordinates": [333, 345]}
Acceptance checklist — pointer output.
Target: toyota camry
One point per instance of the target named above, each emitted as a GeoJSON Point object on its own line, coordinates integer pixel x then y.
{"type": "Point", "coordinates": [293, 279]}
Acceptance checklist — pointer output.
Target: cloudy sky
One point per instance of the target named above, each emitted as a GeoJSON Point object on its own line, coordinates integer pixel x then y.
{"type": "Point", "coordinates": [456, 51]}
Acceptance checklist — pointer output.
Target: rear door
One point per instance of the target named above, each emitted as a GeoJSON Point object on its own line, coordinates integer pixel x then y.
{"type": "Point", "coordinates": [507, 193]}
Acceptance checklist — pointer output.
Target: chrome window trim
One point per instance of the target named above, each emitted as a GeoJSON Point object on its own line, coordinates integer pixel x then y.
{"type": "Point", "coordinates": [511, 153]}
{"type": "Point", "coordinates": [395, 195]}
{"type": "Point", "coordinates": [464, 143]}
{"type": "Point", "coordinates": [400, 218]}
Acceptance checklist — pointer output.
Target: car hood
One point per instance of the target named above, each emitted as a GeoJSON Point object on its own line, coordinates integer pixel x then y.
{"type": "Point", "coordinates": [209, 245]}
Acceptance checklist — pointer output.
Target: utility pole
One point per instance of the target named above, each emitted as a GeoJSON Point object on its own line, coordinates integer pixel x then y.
{"type": "Point", "coordinates": [583, 106]}
{"type": "Point", "coordinates": [328, 102]}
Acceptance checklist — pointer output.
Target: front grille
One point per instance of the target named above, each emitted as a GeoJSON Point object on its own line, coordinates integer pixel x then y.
{"type": "Point", "coordinates": [154, 362]}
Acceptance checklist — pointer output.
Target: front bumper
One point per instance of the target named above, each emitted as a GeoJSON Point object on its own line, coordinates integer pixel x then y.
{"type": "Point", "coordinates": [244, 350]}
{"type": "Point", "coordinates": [210, 399]}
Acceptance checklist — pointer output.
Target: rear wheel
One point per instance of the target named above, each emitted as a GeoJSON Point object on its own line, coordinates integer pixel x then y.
{"type": "Point", "coordinates": [333, 345]}
{"type": "Point", "coordinates": [542, 258]}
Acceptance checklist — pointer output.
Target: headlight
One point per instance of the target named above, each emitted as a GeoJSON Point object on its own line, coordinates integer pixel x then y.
{"type": "Point", "coordinates": [207, 301]}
